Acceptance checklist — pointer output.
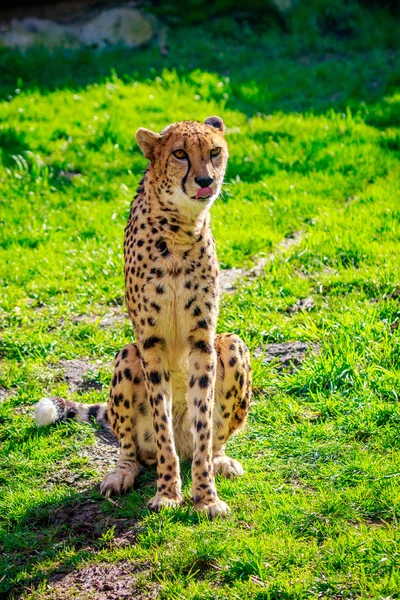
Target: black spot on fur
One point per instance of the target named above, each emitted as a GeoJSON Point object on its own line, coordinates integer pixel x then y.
{"type": "Point", "coordinates": [152, 341]}
{"type": "Point", "coordinates": [128, 374]}
{"type": "Point", "coordinates": [162, 247]}
{"type": "Point", "coordinates": [190, 302]}
{"type": "Point", "coordinates": [204, 381]}
{"type": "Point", "coordinates": [71, 412]}
{"type": "Point", "coordinates": [203, 346]}
{"type": "Point", "coordinates": [156, 307]}
{"type": "Point", "coordinates": [155, 377]}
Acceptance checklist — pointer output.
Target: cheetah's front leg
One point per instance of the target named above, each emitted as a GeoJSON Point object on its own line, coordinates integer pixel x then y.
{"type": "Point", "coordinates": [157, 378]}
{"type": "Point", "coordinates": [200, 397]}
{"type": "Point", "coordinates": [127, 390]}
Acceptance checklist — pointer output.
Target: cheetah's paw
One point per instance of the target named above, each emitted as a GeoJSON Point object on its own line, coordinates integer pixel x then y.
{"type": "Point", "coordinates": [213, 510]}
{"type": "Point", "coordinates": [228, 467]}
{"type": "Point", "coordinates": [119, 480]}
{"type": "Point", "coordinates": [161, 501]}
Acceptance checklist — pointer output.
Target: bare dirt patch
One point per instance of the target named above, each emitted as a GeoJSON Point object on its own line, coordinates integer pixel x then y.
{"type": "Point", "coordinates": [76, 373]}
{"type": "Point", "coordinates": [85, 523]}
{"type": "Point", "coordinates": [229, 279]}
{"type": "Point", "coordinates": [82, 318]}
{"type": "Point", "coordinates": [285, 355]}
{"type": "Point", "coordinates": [103, 454]}
{"type": "Point", "coordinates": [4, 394]}
{"type": "Point", "coordinates": [116, 316]}
{"type": "Point", "coordinates": [302, 305]}
{"type": "Point", "coordinates": [292, 239]}
{"type": "Point", "coordinates": [102, 457]}
{"type": "Point", "coordinates": [102, 582]}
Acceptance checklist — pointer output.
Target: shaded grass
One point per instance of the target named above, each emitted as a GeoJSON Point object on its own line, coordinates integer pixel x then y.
{"type": "Point", "coordinates": [316, 512]}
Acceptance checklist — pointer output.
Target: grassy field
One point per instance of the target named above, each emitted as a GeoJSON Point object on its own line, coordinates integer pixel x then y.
{"type": "Point", "coordinates": [314, 134]}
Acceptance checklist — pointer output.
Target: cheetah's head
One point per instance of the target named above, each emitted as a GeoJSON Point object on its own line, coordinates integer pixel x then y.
{"type": "Point", "coordinates": [188, 161]}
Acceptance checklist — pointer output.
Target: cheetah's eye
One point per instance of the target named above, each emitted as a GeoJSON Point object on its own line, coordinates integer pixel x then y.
{"type": "Point", "coordinates": [181, 154]}
{"type": "Point", "coordinates": [215, 152]}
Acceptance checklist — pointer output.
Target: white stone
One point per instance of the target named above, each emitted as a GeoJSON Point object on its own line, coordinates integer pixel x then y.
{"type": "Point", "coordinates": [31, 31]}
{"type": "Point", "coordinates": [125, 26]}
{"type": "Point", "coordinates": [283, 5]}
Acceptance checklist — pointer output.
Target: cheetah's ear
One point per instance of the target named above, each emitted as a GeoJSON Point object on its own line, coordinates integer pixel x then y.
{"type": "Point", "coordinates": [147, 141]}
{"type": "Point", "coordinates": [216, 122]}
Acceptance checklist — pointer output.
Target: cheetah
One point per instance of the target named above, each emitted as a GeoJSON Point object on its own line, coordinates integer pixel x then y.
{"type": "Point", "coordinates": [181, 390]}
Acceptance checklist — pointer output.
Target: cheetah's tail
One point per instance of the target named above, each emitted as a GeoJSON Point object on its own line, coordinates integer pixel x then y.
{"type": "Point", "coordinates": [51, 410]}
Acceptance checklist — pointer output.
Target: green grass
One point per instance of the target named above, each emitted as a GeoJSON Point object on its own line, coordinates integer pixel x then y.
{"type": "Point", "coordinates": [314, 135]}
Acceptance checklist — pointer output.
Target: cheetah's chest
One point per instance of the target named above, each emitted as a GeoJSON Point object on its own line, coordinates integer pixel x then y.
{"type": "Point", "coordinates": [188, 299]}
{"type": "Point", "coordinates": [172, 294]}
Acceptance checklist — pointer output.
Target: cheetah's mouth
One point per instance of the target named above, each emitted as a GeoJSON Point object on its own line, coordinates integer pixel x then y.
{"type": "Point", "coordinates": [205, 192]}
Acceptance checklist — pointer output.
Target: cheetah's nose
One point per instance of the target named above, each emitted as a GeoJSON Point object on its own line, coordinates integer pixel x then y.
{"type": "Point", "coordinates": [204, 182]}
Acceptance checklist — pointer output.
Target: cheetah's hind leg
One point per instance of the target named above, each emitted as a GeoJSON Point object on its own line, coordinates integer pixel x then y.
{"type": "Point", "coordinates": [127, 393]}
{"type": "Point", "coordinates": [232, 399]}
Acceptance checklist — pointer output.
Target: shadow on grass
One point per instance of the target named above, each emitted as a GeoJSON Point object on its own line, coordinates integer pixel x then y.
{"type": "Point", "coordinates": [258, 77]}
{"type": "Point", "coordinates": [265, 73]}
{"type": "Point", "coordinates": [12, 143]}
{"type": "Point", "coordinates": [84, 523]}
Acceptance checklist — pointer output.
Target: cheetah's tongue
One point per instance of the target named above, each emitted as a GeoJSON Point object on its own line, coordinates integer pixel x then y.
{"type": "Point", "coordinates": [204, 192]}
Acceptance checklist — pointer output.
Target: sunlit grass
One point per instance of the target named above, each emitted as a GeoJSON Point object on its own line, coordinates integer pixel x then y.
{"type": "Point", "coordinates": [314, 149]}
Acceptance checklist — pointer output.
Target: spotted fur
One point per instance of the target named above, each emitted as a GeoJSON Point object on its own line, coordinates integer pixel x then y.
{"type": "Point", "coordinates": [181, 390]}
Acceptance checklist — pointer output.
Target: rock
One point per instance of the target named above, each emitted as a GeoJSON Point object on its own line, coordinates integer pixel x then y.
{"type": "Point", "coordinates": [31, 31]}
{"type": "Point", "coordinates": [283, 5]}
{"type": "Point", "coordinates": [125, 26]}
